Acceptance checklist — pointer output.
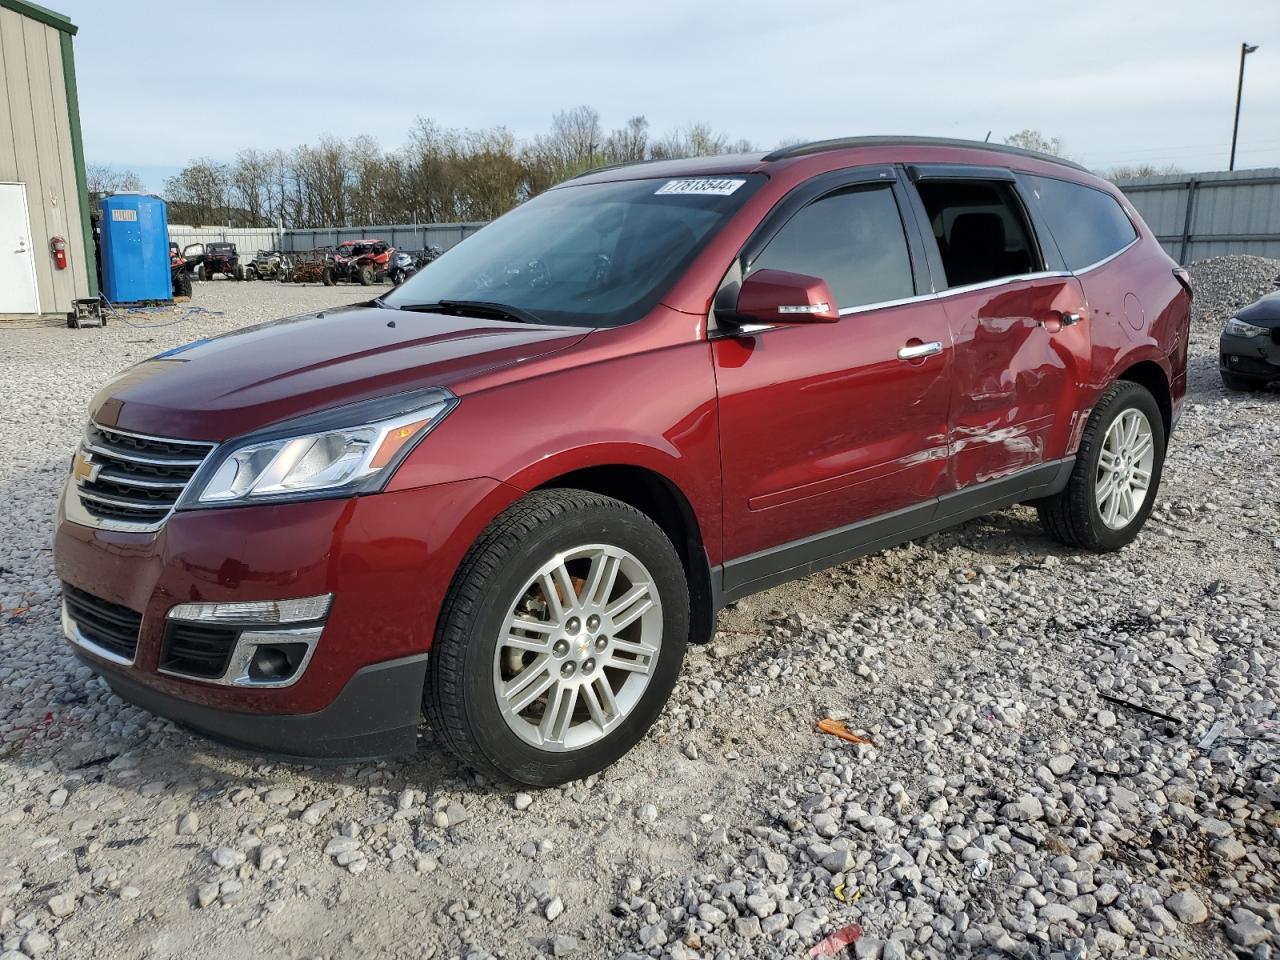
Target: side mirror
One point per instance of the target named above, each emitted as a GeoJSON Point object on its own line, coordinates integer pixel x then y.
{"type": "Point", "coordinates": [778, 296]}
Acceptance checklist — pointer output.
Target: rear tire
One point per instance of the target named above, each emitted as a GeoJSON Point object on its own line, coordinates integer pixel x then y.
{"type": "Point", "coordinates": [182, 284]}
{"type": "Point", "coordinates": [1084, 513]}
{"type": "Point", "coordinates": [568, 532]}
{"type": "Point", "coordinates": [1233, 381]}
{"type": "Point", "coordinates": [365, 276]}
{"type": "Point", "coordinates": [327, 278]}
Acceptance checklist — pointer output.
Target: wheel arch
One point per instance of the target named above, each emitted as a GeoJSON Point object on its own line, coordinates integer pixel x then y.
{"type": "Point", "coordinates": [1152, 376]}
{"type": "Point", "coordinates": [662, 500]}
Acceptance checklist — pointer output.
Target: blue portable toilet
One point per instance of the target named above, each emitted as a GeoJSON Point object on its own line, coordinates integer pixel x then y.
{"type": "Point", "coordinates": [135, 248]}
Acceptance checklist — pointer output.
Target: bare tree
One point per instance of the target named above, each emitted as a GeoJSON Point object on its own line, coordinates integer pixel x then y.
{"type": "Point", "coordinates": [1140, 170]}
{"type": "Point", "coordinates": [1035, 140]}
{"type": "Point", "coordinates": [200, 193]}
{"type": "Point", "coordinates": [103, 178]}
{"type": "Point", "coordinates": [438, 175]}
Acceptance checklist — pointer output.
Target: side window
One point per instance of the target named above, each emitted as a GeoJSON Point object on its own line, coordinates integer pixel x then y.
{"type": "Point", "coordinates": [1087, 224]}
{"type": "Point", "coordinates": [853, 239]}
{"type": "Point", "coordinates": [981, 230]}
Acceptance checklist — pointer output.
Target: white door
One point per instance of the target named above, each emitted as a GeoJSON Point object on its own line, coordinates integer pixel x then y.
{"type": "Point", "coordinates": [17, 255]}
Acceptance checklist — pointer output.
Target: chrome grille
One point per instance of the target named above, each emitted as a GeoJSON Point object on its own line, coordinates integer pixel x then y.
{"type": "Point", "coordinates": [131, 479]}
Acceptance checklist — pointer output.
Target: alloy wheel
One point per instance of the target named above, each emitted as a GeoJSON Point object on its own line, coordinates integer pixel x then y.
{"type": "Point", "coordinates": [578, 647]}
{"type": "Point", "coordinates": [1124, 468]}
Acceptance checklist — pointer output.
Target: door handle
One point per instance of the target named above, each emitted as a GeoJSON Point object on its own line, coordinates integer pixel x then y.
{"type": "Point", "coordinates": [918, 351]}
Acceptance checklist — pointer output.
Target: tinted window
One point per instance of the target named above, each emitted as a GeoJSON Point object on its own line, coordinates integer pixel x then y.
{"type": "Point", "coordinates": [852, 239]}
{"type": "Point", "coordinates": [1088, 225]}
{"type": "Point", "coordinates": [980, 228]}
{"type": "Point", "coordinates": [594, 254]}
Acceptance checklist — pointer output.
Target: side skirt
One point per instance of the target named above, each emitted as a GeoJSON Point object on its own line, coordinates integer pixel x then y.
{"type": "Point", "coordinates": [799, 558]}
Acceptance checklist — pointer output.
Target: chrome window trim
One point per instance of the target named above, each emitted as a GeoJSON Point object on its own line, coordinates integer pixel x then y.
{"type": "Point", "coordinates": [1105, 260]}
{"type": "Point", "coordinates": [72, 631]}
{"type": "Point", "coordinates": [949, 291]}
{"type": "Point", "coordinates": [247, 643]}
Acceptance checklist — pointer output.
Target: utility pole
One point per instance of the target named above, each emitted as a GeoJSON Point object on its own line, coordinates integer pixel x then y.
{"type": "Point", "coordinates": [1245, 50]}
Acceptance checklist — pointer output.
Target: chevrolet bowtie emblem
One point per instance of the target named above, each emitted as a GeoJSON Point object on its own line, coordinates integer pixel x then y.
{"type": "Point", "coordinates": [84, 469]}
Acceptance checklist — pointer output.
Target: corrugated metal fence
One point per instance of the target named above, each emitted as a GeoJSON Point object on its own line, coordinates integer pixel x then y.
{"type": "Point", "coordinates": [1202, 215]}
{"type": "Point", "coordinates": [248, 240]}
{"type": "Point", "coordinates": [405, 236]}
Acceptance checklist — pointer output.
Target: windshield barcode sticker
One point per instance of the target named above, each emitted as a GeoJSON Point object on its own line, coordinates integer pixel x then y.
{"type": "Point", "coordinates": [704, 186]}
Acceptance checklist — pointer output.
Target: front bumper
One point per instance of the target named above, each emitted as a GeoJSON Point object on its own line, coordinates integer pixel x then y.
{"type": "Point", "coordinates": [387, 559]}
{"type": "Point", "coordinates": [375, 715]}
{"type": "Point", "coordinates": [1257, 357]}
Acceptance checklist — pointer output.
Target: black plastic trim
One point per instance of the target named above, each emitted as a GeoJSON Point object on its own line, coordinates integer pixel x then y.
{"type": "Point", "coordinates": [958, 171]}
{"type": "Point", "coordinates": [790, 561]}
{"type": "Point", "coordinates": [375, 716]}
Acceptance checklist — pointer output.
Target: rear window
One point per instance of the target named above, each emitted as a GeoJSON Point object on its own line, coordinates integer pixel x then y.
{"type": "Point", "coordinates": [1087, 224]}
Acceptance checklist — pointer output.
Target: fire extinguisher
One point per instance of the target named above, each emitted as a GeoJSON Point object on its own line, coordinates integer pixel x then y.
{"type": "Point", "coordinates": [58, 247]}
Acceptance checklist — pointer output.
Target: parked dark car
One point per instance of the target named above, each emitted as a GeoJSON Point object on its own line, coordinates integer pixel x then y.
{"type": "Point", "coordinates": [1249, 354]}
{"type": "Point", "coordinates": [516, 486]}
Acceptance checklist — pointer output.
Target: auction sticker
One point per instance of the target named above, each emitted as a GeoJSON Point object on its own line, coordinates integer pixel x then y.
{"type": "Point", "coordinates": [702, 186]}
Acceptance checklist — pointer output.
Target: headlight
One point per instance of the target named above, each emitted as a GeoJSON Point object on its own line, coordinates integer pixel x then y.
{"type": "Point", "coordinates": [1238, 328]}
{"type": "Point", "coordinates": [352, 449]}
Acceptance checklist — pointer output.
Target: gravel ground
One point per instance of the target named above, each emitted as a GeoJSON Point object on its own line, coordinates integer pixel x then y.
{"type": "Point", "coordinates": [1070, 756]}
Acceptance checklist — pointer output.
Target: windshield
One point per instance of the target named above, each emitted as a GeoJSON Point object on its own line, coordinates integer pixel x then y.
{"type": "Point", "coordinates": [592, 255]}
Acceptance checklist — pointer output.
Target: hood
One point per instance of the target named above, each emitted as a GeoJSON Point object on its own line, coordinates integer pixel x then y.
{"type": "Point", "coordinates": [224, 387]}
{"type": "Point", "coordinates": [1263, 313]}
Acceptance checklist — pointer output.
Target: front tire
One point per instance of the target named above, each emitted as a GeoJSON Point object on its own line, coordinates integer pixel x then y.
{"type": "Point", "coordinates": [560, 640]}
{"type": "Point", "coordinates": [1116, 475]}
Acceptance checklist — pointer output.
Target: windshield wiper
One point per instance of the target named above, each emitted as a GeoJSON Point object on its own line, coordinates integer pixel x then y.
{"type": "Point", "coordinates": [480, 307]}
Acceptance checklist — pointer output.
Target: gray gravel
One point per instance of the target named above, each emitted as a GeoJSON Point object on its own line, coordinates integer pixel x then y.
{"type": "Point", "coordinates": [1022, 795]}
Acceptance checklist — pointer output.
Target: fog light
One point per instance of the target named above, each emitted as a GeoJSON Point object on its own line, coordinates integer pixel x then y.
{"type": "Point", "coordinates": [272, 663]}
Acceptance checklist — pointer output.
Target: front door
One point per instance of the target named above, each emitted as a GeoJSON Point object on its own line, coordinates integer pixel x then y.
{"type": "Point", "coordinates": [17, 255]}
{"type": "Point", "coordinates": [823, 425]}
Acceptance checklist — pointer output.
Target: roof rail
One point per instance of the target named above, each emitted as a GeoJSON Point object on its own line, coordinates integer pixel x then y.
{"type": "Point", "coordinates": [845, 143]}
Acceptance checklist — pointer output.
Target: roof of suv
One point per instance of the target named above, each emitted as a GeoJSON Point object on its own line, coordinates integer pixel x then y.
{"type": "Point", "coordinates": [762, 162]}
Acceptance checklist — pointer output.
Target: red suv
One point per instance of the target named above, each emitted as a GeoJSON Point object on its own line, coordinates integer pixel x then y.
{"type": "Point", "coordinates": [514, 488]}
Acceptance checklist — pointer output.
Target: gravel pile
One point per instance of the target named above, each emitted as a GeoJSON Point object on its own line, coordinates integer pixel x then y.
{"type": "Point", "coordinates": [1223, 285]}
{"type": "Point", "coordinates": [1069, 756]}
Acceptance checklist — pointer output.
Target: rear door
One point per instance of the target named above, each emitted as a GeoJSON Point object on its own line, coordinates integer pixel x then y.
{"type": "Point", "coordinates": [823, 425]}
{"type": "Point", "coordinates": [1019, 320]}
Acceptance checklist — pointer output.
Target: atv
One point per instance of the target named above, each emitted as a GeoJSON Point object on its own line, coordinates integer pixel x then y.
{"type": "Point", "coordinates": [358, 261]}
{"type": "Point", "coordinates": [269, 265]}
{"type": "Point", "coordinates": [404, 265]}
{"type": "Point", "coordinates": [179, 273]}
{"type": "Point", "coordinates": [193, 259]}
{"type": "Point", "coordinates": [220, 257]}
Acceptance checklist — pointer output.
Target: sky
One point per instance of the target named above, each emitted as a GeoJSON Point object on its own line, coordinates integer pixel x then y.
{"type": "Point", "coordinates": [1120, 82]}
